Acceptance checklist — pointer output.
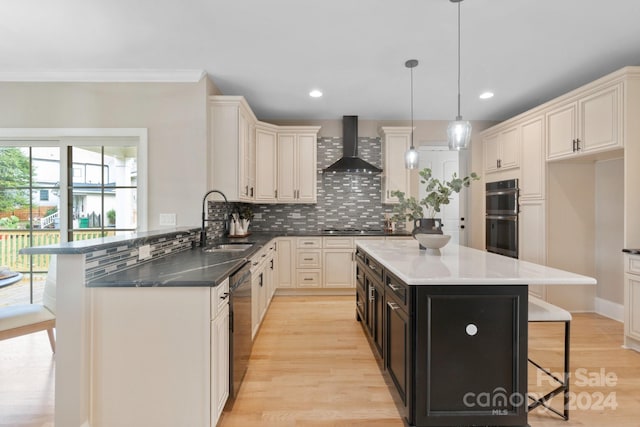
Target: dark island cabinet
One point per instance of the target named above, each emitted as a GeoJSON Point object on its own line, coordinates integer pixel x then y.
{"type": "Point", "coordinates": [370, 298]}
{"type": "Point", "coordinates": [454, 355]}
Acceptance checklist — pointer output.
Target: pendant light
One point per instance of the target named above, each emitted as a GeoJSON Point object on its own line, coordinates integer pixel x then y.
{"type": "Point", "coordinates": [458, 131]}
{"type": "Point", "coordinates": [411, 157]}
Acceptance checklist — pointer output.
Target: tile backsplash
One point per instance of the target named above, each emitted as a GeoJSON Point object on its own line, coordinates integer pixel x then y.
{"type": "Point", "coordinates": [344, 200]}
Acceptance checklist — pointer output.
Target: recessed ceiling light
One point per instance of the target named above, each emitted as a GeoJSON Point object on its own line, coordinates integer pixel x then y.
{"type": "Point", "coordinates": [486, 95]}
{"type": "Point", "coordinates": [315, 93]}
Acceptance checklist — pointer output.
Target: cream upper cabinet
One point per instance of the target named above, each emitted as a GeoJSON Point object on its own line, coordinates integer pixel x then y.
{"type": "Point", "coordinates": [589, 124]}
{"type": "Point", "coordinates": [230, 146]}
{"type": "Point", "coordinates": [502, 150]}
{"type": "Point", "coordinates": [296, 165]}
{"type": "Point", "coordinates": [266, 149]}
{"type": "Point", "coordinates": [395, 142]}
{"type": "Point", "coordinates": [532, 169]}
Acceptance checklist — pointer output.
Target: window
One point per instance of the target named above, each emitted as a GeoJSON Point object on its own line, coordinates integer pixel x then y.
{"type": "Point", "coordinates": [58, 185]}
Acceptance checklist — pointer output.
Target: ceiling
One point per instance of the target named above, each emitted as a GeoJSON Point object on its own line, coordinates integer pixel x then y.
{"type": "Point", "coordinates": [274, 52]}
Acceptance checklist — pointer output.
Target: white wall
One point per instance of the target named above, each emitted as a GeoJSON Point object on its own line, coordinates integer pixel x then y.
{"type": "Point", "coordinates": [175, 115]}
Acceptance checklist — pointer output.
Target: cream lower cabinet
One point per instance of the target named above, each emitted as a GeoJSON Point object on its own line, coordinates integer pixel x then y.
{"type": "Point", "coordinates": [338, 262]}
{"type": "Point", "coordinates": [632, 301]}
{"type": "Point", "coordinates": [309, 262]}
{"type": "Point", "coordinates": [219, 363]}
{"type": "Point", "coordinates": [159, 356]}
{"type": "Point", "coordinates": [286, 249]}
{"type": "Point", "coordinates": [263, 274]}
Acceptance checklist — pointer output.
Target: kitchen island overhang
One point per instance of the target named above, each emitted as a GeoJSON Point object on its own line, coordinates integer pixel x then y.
{"type": "Point", "coordinates": [451, 329]}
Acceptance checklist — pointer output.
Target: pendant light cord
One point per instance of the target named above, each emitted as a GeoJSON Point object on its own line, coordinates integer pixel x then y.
{"type": "Point", "coordinates": [459, 116]}
{"type": "Point", "coordinates": [412, 108]}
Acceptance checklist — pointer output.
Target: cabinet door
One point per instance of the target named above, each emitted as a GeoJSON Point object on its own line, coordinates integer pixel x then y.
{"type": "Point", "coordinates": [255, 302]}
{"type": "Point", "coordinates": [219, 363]}
{"type": "Point", "coordinates": [286, 167]}
{"type": "Point", "coordinates": [490, 150]}
{"type": "Point", "coordinates": [600, 120]}
{"type": "Point", "coordinates": [395, 175]}
{"type": "Point", "coordinates": [474, 333]}
{"type": "Point", "coordinates": [561, 131]}
{"type": "Point", "coordinates": [396, 355]}
{"type": "Point", "coordinates": [632, 306]}
{"type": "Point", "coordinates": [244, 147]}
{"type": "Point", "coordinates": [532, 169]}
{"type": "Point", "coordinates": [338, 268]}
{"type": "Point", "coordinates": [509, 148]}
{"type": "Point", "coordinates": [306, 168]}
{"type": "Point", "coordinates": [285, 264]}
{"type": "Point", "coordinates": [265, 166]}
{"type": "Point", "coordinates": [531, 242]}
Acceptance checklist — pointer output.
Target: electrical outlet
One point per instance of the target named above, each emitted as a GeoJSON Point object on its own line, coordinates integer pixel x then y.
{"type": "Point", "coordinates": [144, 252]}
{"type": "Point", "coordinates": [167, 219]}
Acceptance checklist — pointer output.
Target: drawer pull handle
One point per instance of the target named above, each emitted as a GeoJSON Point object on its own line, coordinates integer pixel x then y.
{"type": "Point", "coordinates": [393, 306]}
{"type": "Point", "coordinates": [308, 278]}
{"type": "Point", "coordinates": [308, 243]}
{"type": "Point", "coordinates": [308, 259]}
{"type": "Point", "coordinates": [393, 287]}
{"type": "Point", "coordinates": [225, 295]}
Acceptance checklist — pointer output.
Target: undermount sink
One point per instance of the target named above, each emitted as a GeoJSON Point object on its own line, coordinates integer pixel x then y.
{"type": "Point", "coordinates": [228, 247]}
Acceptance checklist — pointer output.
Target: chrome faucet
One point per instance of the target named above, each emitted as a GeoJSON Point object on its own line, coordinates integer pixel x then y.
{"type": "Point", "coordinates": [203, 231]}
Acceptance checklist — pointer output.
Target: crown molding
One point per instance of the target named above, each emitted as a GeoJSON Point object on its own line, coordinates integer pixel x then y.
{"type": "Point", "coordinates": [104, 76]}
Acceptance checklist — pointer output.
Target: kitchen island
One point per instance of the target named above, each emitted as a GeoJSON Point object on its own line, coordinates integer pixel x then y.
{"type": "Point", "coordinates": [450, 329]}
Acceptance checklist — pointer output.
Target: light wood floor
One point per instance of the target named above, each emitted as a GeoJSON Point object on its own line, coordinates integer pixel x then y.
{"type": "Point", "coordinates": [312, 366]}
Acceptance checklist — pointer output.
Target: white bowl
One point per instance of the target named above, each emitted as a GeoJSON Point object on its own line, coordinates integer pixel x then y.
{"type": "Point", "coordinates": [432, 241]}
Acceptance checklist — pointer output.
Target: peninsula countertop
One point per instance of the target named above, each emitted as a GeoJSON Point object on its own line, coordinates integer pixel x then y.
{"type": "Point", "coordinates": [460, 265]}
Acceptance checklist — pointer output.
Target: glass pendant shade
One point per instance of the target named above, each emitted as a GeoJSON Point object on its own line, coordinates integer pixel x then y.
{"type": "Point", "coordinates": [411, 158]}
{"type": "Point", "coordinates": [459, 134]}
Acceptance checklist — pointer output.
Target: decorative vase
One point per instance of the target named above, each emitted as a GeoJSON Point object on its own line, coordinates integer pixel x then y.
{"type": "Point", "coordinates": [434, 239]}
{"type": "Point", "coordinates": [427, 226]}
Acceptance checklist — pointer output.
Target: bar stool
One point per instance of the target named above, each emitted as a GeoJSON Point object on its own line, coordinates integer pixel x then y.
{"type": "Point", "coordinates": [542, 311]}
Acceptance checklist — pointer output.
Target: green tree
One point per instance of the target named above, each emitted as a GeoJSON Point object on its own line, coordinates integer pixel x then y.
{"type": "Point", "coordinates": [14, 172]}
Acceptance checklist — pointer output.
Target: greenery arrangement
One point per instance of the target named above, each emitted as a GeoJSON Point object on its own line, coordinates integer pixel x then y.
{"type": "Point", "coordinates": [438, 193]}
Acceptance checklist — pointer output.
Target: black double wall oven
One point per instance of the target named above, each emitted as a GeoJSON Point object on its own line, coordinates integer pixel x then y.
{"type": "Point", "coordinates": [502, 217]}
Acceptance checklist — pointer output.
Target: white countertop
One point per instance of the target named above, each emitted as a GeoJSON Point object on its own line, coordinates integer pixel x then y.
{"type": "Point", "coordinates": [460, 265]}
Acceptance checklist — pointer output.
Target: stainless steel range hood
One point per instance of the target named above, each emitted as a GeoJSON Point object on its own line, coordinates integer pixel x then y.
{"type": "Point", "coordinates": [350, 162]}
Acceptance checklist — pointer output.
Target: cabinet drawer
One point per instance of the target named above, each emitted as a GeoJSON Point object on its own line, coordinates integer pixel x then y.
{"type": "Point", "coordinates": [309, 278]}
{"type": "Point", "coordinates": [219, 298]}
{"type": "Point", "coordinates": [310, 242]}
{"type": "Point", "coordinates": [374, 268]}
{"type": "Point", "coordinates": [633, 264]}
{"type": "Point", "coordinates": [309, 259]}
{"type": "Point", "coordinates": [398, 290]}
{"type": "Point", "coordinates": [338, 242]}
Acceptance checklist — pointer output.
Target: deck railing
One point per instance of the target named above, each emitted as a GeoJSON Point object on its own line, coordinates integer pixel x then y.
{"type": "Point", "coordinates": [11, 241]}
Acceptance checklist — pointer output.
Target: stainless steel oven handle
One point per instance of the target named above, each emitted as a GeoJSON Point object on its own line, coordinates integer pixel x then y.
{"type": "Point", "coordinates": [502, 192]}
{"type": "Point", "coordinates": [503, 217]}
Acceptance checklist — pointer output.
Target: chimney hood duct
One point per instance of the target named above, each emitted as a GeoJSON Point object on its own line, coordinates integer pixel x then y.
{"type": "Point", "coordinates": [350, 162]}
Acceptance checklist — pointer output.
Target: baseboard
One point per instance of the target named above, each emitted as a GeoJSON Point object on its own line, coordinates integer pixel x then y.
{"type": "Point", "coordinates": [609, 309]}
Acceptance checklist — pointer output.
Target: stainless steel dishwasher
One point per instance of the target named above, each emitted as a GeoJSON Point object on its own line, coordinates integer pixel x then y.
{"type": "Point", "coordinates": [239, 327]}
